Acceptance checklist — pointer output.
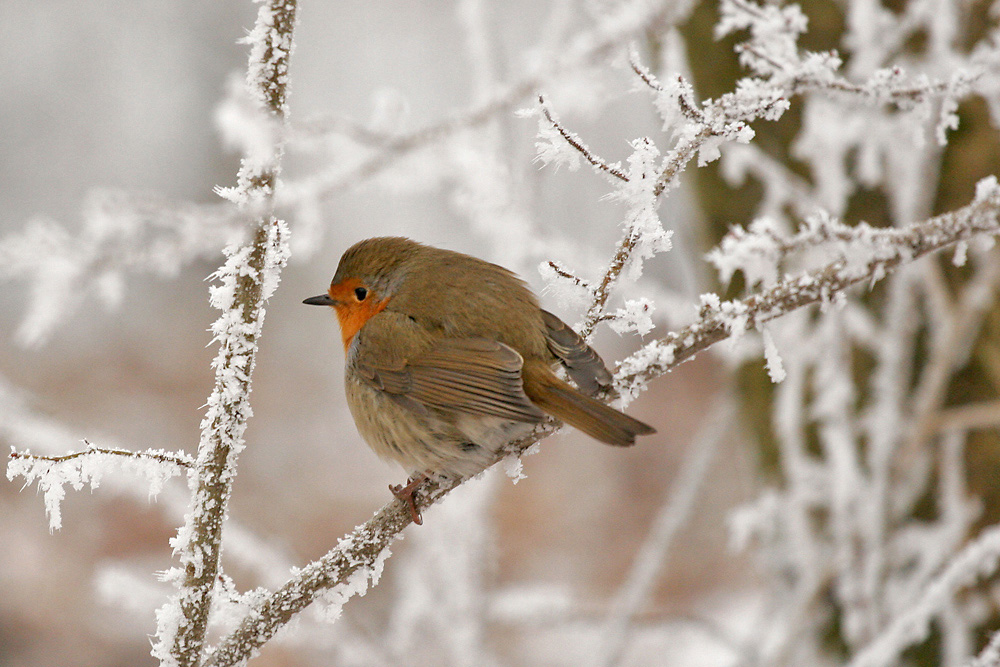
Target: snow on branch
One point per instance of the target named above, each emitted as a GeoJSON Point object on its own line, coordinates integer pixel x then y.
{"type": "Point", "coordinates": [979, 559]}
{"type": "Point", "coordinates": [882, 251]}
{"type": "Point", "coordinates": [345, 571]}
{"type": "Point", "coordinates": [246, 280]}
{"type": "Point", "coordinates": [52, 473]}
{"type": "Point", "coordinates": [557, 145]}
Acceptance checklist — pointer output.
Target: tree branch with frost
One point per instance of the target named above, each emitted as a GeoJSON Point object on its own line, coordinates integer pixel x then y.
{"type": "Point", "coordinates": [648, 176]}
{"type": "Point", "coordinates": [52, 473]}
{"type": "Point", "coordinates": [550, 148]}
{"type": "Point", "coordinates": [886, 249]}
{"type": "Point", "coordinates": [977, 560]}
{"type": "Point", "coordinates": [245, 281]}
{"type": "Point", "coordinates": [345, 570]}
{"type": "Point", "coordinates": [176, 459]}
{"type": "Point", "coordinates": [702, 129]}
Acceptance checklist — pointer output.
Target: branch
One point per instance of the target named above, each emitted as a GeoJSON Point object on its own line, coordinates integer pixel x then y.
{"type": "Point", "coordinates": [345, 570]}
{"type": "Point", "coordinates": [574, 140]}
{"type": "Point", "coordinates": [979, 559]}
{"type": "Point", "coordinates": [52, 473]}
{"type": "Point", "coordinates": [247, 278]}
{"type": "Point", "coordinates": [179, 459]}
{"type": "Point", "coordinates": [889, 249]}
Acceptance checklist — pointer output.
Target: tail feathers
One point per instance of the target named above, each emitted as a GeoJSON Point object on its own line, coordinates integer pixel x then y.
{"type": "Point", "coordinates": [587, 414]}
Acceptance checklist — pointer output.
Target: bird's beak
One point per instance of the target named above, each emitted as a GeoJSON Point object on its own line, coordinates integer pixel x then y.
{"type": "Point", "coordinates": [321, 300]}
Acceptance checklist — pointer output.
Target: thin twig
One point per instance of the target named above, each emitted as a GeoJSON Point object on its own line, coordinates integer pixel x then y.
{"type": "Point", "coordinates": [687, 105]}
{"type": "Point", "coordinates": [573, 140]}
{"type": "Point", "coordinates": [575, 279]}
{"type": "Point", "coordinates": [181, 460]}
{"type": "Point", "coordinates": [633, 21]}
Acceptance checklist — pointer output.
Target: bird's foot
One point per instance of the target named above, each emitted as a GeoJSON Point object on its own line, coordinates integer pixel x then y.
{"type": "Point", "coordinates": [405, 493]}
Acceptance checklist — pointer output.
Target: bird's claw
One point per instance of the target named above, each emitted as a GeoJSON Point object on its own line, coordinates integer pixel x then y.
{"type": "Point", "coordinates": [405, 493]}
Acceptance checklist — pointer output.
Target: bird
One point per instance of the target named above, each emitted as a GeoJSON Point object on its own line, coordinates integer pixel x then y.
{"type": "Point", "coordinates": [450, 357]}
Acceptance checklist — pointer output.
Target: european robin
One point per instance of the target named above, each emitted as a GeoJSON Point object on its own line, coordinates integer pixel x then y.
{"type": "Point", "coordinates": [450, 357]}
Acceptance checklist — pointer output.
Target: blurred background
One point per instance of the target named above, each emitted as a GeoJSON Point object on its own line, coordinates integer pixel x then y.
{"type": "Point", "coordinates": [109, 96]}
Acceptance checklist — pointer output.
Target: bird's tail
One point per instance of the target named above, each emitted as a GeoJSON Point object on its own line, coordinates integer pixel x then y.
{"type": "Point", "coordinates": [594, 418]}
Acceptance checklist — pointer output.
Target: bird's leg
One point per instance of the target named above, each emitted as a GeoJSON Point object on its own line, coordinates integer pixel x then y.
{"type": "Point", "coordinates": [405, 493]}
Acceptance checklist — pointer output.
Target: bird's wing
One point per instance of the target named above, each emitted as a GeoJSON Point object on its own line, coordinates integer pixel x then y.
{"type": "Point", "coordinates": [471, 375]}
{"type": "Point", "coordinates": [581, 361]}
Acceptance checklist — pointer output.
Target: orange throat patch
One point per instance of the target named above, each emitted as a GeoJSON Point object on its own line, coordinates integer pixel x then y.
{"type": "Point", "coordinates": [351, 313]}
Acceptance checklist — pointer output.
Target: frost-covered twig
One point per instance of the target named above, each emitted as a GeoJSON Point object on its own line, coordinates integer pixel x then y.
{"type": "Point", "coordinates": [119, 232]}
{"type": "Point", "coordinates": [51, 473]}
{"type": "Point", "coordinates": [247, 279]}
{"type": "Point", "coordinates": [644, 234]}
{"type": "Point", "coordinates": [889, 248]}
{"type": "Point", "coordinates": [600, 164]}
{"type": "Point", "coordinates": [178, 459]}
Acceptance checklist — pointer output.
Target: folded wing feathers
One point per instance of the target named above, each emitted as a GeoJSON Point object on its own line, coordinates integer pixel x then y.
{"type": "Point", "coordinates": [583, 364]}
{"type": "Point", "coordinates": [478, 376]}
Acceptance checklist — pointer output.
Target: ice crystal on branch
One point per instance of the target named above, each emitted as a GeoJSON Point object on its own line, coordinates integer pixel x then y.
{"type": "Point", "coordinates": [52, 473]}
{"type": "Point", "coordinates": [635, 316]}
{"type": "Point", "coordinates": [644, 230]}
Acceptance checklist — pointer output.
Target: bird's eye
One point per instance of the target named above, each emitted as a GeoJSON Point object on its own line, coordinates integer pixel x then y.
{"type": "Point", "coordinates": [361, 293]}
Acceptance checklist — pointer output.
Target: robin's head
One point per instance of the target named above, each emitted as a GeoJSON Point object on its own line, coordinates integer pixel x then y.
{"type": "Point", "coordinates": [368, 275]}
